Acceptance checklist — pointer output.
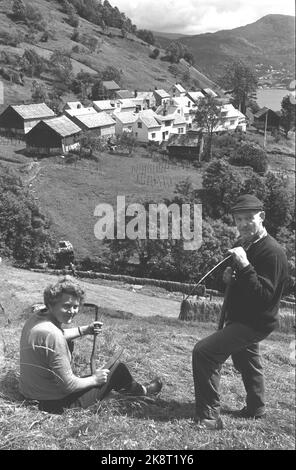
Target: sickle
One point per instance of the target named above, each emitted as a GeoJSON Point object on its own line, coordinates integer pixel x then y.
{"type": "Point", "coordinates": [92, 357]}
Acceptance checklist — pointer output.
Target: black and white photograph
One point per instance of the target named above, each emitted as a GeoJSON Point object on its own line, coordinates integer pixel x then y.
{"type": "Point", "coordinates": [147, 229]}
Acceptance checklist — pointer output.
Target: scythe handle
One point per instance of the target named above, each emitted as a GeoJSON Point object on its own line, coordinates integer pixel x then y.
{"type": "Point", "coordinates": [224, 306]}
{"type": "Point", "coordinates": [95, 340]}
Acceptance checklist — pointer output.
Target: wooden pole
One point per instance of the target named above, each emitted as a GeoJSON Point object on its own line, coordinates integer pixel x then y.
{"type": "Point", "coordinates": [265, 130]}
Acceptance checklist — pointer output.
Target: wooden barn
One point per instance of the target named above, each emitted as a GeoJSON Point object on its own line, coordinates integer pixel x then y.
{"type": "Point", "coordinates": [99, 124]}
{"type": "Point", "coordinates": [266, 116]}
{"type": "Point", "coordinates": [185, 147]}
{"type": "Point", "coordinates": [20, 119]}
{"type": "Point", "coordinates": [53, 137]}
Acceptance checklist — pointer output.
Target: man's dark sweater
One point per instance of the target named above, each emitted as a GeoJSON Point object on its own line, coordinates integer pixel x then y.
{"type": "Point", "coordinates": [255, 295]}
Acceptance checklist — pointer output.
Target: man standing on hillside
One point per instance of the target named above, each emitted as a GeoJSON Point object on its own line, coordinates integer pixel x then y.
{"type": "Point", "coordinates": [257, 280]}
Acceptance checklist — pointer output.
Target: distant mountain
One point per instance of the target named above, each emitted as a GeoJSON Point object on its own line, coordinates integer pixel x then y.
{"type": "Point", "coordinates": [270, 41]}
{"type": "Point", "coordinates": [171, 36]}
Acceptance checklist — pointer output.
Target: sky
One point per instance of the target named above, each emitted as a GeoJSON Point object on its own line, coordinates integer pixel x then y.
{"type": "Point", "coordinates": [199, 16]}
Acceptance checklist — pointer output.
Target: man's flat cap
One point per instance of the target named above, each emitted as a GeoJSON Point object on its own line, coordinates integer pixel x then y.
{"type": "Point", "coordinates": [247, 202]}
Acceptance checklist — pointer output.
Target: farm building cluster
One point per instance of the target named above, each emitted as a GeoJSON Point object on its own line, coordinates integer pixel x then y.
{"type": "Point", "coordinates": [151, 116]}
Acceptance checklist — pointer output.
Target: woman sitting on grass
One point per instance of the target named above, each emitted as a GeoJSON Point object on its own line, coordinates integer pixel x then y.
{"type": "Point", "coordinates": [45, 358]}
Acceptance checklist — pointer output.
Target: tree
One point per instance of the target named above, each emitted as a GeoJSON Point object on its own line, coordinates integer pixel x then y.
{"type": "Point", "coordinates": [207, 117]}
{"type": "Point", "coordinates": [128, 141]}
{"type": "Point", "coordinates": [174, 70]}
{"type": "Point", "coordinates": [32, 63]}
{"type": "Point", "coordinates": [97, 90]}
{"type": "Point", "coordinates": [111, 73]}
{"type": "Point", "coordinates": [222, 184]}
{"type": "Point", "coordinates": [19, 10]}
{"type": "Point", "coordinates": [241, 82]}
{"type": "Point", "coordinates": [24, 230]}
{"type": "Point", "coordinates": [278, 202]}
{"type": "Point", "coordinates": [188, 56]}
{"type": "Point", "coordinates": [62, 65]}
{"type": "Point", "coordinates": [287, 114]}
{"type": "Point", "coordinates": [250, 155]}
{"type": "Point", "coordinates": [38, 92]}
{"type": "Point", "coordinates": [73, 19]}
{"type": "Point", "coordinates": [146, 35]}
{"type": "Point", "coordinates": [174, 52]}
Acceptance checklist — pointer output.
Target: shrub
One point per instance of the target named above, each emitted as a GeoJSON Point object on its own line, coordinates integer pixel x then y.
{"type": "Point", "coordinates": [250, 155]}
{"type": "Point", "coordinates": [75, 36]}
{"type": "Point", "coordinates": [10, 38]}
{"type": "Point", "coordinates": [154, 54]}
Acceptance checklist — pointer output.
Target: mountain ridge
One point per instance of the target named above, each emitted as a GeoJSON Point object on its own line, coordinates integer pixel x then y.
{"type": "Point", "coordinates": [252, 43]}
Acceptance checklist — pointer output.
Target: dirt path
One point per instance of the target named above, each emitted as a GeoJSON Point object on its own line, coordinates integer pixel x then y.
{"type": "Point", "coordinates": [21, 288]}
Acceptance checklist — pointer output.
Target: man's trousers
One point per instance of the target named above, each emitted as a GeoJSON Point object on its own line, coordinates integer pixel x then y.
{"type": "Point", "coordinates": [242, 343]}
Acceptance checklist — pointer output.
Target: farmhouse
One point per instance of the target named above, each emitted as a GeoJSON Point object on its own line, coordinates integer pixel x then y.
{"type": "Point", "coordinates": [104, 105]}
{"type": "Point", "coordinates": [231, 119]}
{"type": "Point", "coordinates": [147, 127]}
{"type": "Point", "coordinates": [161, 96]}
{"type": "Point", "coordinates": [54, 136]}
{"type": "Point", "coordinates": [124, 122]}
{"type": "Point", "coordinates": [144, 100]}
{"type": "Point", "coordinates": [179, 125]}
{"type": "Point", "coordinates": [20, 119]}
{"type": "Point", "coordinates": [99, 124]}
{"type": "Point", "coordinates": [186, 108]}
{"type": "Point", "coordinates": [177, 90]}
{"type": "Point", "coordinates": [267, 116]}
{"type": "Point", "coordinates": [167, 124]}
{"type": "Point", "coordinates": [127, 106]}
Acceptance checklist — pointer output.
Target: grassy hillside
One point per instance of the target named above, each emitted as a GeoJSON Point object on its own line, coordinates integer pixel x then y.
{"type": "Point", "coordinates": [153, 345]}
{"type": "Point", "coordinates": [70, 193]}
{"type": "Point", "coordinates": [269, 40]}
{"type": "Point", "coordinates": [129, 55]}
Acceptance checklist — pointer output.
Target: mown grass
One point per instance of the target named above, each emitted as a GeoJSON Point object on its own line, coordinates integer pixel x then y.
{"type": "Point", "coordinates": [70, 194]}
{"type": "Point", "coordinates": [153, 346]}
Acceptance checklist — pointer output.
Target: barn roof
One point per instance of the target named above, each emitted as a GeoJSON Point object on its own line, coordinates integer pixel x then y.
{"type": "Point", "coordinates": [126, 118]}
{"type": "Point", "coordinates": [63, 126]}
{"type": "Point", "coordinates": [195, 95]}
{"type": "Point", "coordinates": [104, 104]}
{"type": "Point", "coordinates": [127, 103]}
{"type": "Point", "coordinates": [80, 111]}
{"type": "Point", "coordinates": [125, 94]}
{"type": "Point", "coordinates": [33, 111]}
{"type": "Point", "coordinates": [92, 121]}
{"type": "Point", "coordinates": [209, 92]}
{"type": "Point", "coordinates": [74, 105]}
{"type": "Point", "coordinates": [148, 117]}
{"type": "Point", "coordinates": [183, 140]}
{"type": "Point", "coordinates": [179, 87]}
{"type": "Point", "coordinates": [111, 85]}
{"type": "Point", "coordinates": [162, 93]}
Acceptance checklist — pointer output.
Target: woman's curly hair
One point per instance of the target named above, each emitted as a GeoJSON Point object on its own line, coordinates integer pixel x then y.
{"type": "Point", "coordinates": [65, 285]}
